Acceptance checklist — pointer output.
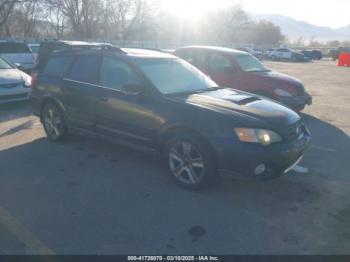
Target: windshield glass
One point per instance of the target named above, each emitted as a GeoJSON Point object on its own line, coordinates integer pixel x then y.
{"type": "Point", "coordinates": [4, 64]}
{"type": "Point", "coordinates": [249, 63]}
{"type": "Point", "coordinates": [171, 76]}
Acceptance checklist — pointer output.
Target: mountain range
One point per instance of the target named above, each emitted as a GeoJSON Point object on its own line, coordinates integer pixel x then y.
{"type": "Point", "coordinates": [294, 29]}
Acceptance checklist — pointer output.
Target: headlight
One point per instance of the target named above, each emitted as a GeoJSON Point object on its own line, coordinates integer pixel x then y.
{"type": "Point", "coordinates": [27, 81]}
{"type": "Point", "coordinates": [262, 136]}
{"type": "Point", "coordinates": [281, 92]}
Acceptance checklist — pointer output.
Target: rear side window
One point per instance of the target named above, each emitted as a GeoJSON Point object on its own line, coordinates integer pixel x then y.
{"type": "Point", "coordinates": [85, 69]}
{"type": "Point", "coordinates": [14, 48]}
{"type": "Point", "coordinates": [57, 66]}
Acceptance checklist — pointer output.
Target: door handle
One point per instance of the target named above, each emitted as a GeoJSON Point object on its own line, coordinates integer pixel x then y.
{"type": "Point", "coordinates": [103, 99]}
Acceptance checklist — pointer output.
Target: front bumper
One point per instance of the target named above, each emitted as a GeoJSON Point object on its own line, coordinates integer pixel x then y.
{"type": "Point", "coordinates": [16, 94]}
{"type": "Point", "coordinates": [298, 103]}
{"type": "Point", "coordinates": [244, 158]}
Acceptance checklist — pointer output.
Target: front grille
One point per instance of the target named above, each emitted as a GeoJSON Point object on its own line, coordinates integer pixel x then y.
{"type": "Point", "coordinates": [293, 131]}
{"type": "Point", "coordinates": [8, 85]}
{"type": "Point", "coordinates": [10, 97]}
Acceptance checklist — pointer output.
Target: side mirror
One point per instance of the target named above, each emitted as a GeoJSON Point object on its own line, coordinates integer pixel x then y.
{"type": "Point", "coordinates": [132, 89]}
{"type": "Point", "coordinates": [17, 65]}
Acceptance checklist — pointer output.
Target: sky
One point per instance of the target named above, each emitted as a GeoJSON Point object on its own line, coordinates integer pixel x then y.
{"type": "Point", "coordinates": [334, 13]}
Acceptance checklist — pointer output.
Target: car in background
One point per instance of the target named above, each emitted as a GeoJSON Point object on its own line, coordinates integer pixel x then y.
{"type": "Point", "coordinates": [312, 54]}
{"type": "Point", "coordinates": [35, 50]}
{"type": "Point", "coordinates": [285, 54]}
{"type": "Point", "coordinates": [255, 52]}
{"type": "Point", "coordinates": [242, 71]}
{"type": "Point", "coordinates": [334, 53]}
{"type": "Point", "coordinates": [14, 84]}
{"type": "Point", "coordinates": [19, 54]}
{"type": "Point", "coordinates": [155, 101]}
{"type": "Point", "coordinates": [48, 47]}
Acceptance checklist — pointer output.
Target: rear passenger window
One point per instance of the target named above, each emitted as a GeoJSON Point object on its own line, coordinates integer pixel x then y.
{"type": "Point", "coordinates": [195, 57]}
{"type": "Point", "coordinates": [57, 66]}
{"type": "Point", "coordinates": [85, 69]}
{"type": "Point", "coordinates": [115, 74]}
{"type": "Point", "coordinates": [220, 64]}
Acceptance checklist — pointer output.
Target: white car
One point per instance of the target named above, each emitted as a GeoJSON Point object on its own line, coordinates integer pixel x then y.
{"type": "Point", "coordinates": [284, 54]}
{"type": "Point", "coordinates": [14, 84]}
{"type": "Point", "coordinates": [18, 53]}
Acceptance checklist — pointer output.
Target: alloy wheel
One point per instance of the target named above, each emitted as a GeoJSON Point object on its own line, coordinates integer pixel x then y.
{"type": "Point", "coordinates": [186, 163]}
{"type": "Point", "coordinates": [53, 122]}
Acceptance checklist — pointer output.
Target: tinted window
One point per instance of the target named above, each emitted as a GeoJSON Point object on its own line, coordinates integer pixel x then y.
{"type": "Point", "coordinates": [57, 66]}
{"type": "Point", "coordinates": [85, 69]}
{"type": "Point", "coordinates": [219, 63]}
{"type": "Point", "coordinates": [13, 48]}
{"type": "Point", "coordinates": [172, 76]}
{"type": "Point", "coordinates": [115, 73]}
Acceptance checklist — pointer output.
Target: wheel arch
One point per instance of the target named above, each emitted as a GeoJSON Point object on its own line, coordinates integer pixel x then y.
{"type": "Point", "coordinates": [49, 99]}
{"type": "Point", "coordinates": [175, 130]}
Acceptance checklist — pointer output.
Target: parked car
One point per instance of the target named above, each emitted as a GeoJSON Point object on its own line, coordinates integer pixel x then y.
{"type": "Point", "coordinates": [285, 54]}
{"type": "Point", "coordinates": [312, 54]}
{"type": "Point", "coordinates": [18, 53]}
{"type": "Point", "coordinates": [240, 70]}
{"type": "Point", "coordinates": [35, 50]}
{"type": "Point", "coordinates": [47, 47]}
{"type": "Point", "coordinates": [158, 102]}
{"type": "Point", "coordinates": [14, 84]}
{"type": "Point", "coordinates": [255, 52]}
{"type": "Point", "coordinates": [334, 53]}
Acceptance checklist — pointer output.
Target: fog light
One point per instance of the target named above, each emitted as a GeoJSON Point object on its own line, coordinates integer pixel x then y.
{"type": "Point", "coordinates": [260, 169]}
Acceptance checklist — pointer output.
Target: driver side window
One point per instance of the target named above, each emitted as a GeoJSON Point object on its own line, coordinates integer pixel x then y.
{"type": "Point", "coordinates": [115, 74]}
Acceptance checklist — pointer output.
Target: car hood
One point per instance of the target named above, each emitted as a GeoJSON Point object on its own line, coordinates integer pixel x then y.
{"type": "Point", "coordinates": [244, 107]}
{"type": "Point", "coordinates": [11, 76]}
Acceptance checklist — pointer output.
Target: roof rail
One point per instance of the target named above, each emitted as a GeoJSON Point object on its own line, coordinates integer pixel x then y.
{"type": "Point", "coordinates": [89, 46]}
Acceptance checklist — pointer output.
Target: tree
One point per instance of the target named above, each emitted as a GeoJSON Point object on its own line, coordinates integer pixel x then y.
{"type": "Point", "coordinates": [263, 33]}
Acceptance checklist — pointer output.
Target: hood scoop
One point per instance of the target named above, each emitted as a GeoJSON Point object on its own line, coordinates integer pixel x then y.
{"type": "Point", "coordinates": [242, 99]}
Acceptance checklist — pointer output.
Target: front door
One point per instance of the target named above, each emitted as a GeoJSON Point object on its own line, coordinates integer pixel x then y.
{"type": "Point", "coordinates": [124, 115]}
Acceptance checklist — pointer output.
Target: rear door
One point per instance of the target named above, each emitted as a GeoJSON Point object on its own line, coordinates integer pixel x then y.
{"type": "Point", "coordinates": [78, 90]}
{"type": "Point", "coordinates": [198, 58]}
{"type": "Point", "coordinates": [222, 70]}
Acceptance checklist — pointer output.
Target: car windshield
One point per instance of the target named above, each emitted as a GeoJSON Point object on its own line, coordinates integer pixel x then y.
{"type": "Point", "coordinates": [249, 63]}
{"type": "Point", "coordinates": [4, 64]}
{"type": "Point", "coordinates": [173, 76]}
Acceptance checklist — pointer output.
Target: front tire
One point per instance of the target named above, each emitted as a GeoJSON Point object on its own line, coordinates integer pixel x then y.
{"type": "Point", "coordinates": [190, 162]}
{"type": "Point", "coordinates": [53, 122]}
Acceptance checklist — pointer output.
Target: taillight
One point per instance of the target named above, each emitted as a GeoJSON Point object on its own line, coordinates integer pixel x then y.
{"type": "Point", "coordinates": [34, 79]}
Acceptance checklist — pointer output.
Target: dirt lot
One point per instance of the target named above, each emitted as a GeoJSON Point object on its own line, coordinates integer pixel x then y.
{"type": "Point", "coordinates": [90, 197]}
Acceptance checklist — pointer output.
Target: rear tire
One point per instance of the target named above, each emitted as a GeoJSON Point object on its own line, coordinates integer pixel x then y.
{"type": "Point", "coordinates": [190, 162]}
{"type": "Point", "coordinates": [53, 122]}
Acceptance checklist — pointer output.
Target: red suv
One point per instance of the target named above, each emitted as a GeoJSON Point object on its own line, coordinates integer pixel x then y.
{"type": "Point", "coordinates": [240, 70]}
